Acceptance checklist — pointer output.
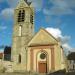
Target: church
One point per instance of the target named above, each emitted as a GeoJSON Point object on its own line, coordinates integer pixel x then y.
{"type": "Point", "coordinates": [41, 53]}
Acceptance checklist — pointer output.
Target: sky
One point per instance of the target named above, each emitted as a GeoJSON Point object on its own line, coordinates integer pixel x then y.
{"type": "Point", "coordinates": [56, 16]}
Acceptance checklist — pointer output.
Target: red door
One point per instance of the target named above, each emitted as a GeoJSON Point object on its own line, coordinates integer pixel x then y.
{"type": "Point", "coordinates": [42, 67]}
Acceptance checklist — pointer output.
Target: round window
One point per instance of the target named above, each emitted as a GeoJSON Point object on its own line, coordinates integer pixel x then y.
{"type": "Point", "coordinates": [42, 56]}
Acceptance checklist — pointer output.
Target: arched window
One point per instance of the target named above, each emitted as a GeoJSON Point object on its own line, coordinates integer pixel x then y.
{"type": "Point", "coordinates": [19, 58]}
{"type": "Point", "coordinates": [21, 16]}
{"type": "Point", "coordinates": [20, 30]}
{"type": "Point", "coordinates": [31, 19]}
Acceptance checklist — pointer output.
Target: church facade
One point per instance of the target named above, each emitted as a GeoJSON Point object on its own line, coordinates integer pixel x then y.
{"type": "Point", "coordinates": [37, 53]}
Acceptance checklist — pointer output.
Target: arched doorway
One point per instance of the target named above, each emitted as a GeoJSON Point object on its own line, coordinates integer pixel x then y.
{"type": "Point", "coordinates": [42, 62]}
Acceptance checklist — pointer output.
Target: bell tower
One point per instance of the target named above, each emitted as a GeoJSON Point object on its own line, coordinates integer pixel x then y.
{"type": "Point", "coordinates": [23, 15]}
{"type": "Point", "coordinates": [23, 31]}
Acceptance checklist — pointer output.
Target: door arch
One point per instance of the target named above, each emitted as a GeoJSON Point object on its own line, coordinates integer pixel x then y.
{"type": "Point", "coordinates": [42, 62]}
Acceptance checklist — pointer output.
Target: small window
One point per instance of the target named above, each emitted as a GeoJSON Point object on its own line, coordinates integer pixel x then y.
{"type": "Point", "coordinates": [21, 16]}
{"type": "Point", "coordinates": [20, 30]}
{"type": "Point", "coordinates": [19, 58]}
{"type": "Point", "coordinates": [43, 56]}
{"type": "Point", "coordinates": [31, 19]}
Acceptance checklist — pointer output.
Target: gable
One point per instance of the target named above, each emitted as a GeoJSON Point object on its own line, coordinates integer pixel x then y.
{"type": "Point", "coordinates": [21, 4]}
{"type": "Point", "coordinates": [42, 38]}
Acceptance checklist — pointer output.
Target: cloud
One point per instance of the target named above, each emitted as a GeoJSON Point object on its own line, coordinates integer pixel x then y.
{"type": "Point", "coordinates": [37, 4]}
{"type": "Point", "coordinates": [57, 11]}
{"type": "Point", "coordinates": [54, 31]}
{"type": "Point", "coordinates": [66, 46]}
{"type": "Point", "coordinates": [12, 3]}
{"type": "Point", "coordinates": [59, 3]}
{"type": "Point", "coordinates": [73, 50]}
{"type": "Point", "coordinates": [64, 40]}
{"type": "Point", "coordinates": [71, 3]}
{"type": "Point", "coordinates": [1, 50]}
{"type": "Point", "coordinates": [7, 13]}
{"type": "Point", "coordinates": [3, 27]}
{"type": "Point", "coordinates": [57, 33]}
{"type": "Point", "coordinates": [6, 17]}
{"type": "Point", "coordinates": [60, 7]}
{"type": "Point", "coordinates": [1, 1]}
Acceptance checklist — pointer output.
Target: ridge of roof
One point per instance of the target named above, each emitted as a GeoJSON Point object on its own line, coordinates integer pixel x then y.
{"type": "Point", "coordinates": [42, 29]}
{"type": "Point", "coordinates": [49, 34]}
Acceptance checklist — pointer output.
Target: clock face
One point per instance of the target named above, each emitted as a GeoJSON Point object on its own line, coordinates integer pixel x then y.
{"type": "Point", "coordinates": [43, 56]}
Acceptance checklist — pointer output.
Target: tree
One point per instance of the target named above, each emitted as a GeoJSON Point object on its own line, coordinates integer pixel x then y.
{"type": "Point", "coordinates": [7, 53]}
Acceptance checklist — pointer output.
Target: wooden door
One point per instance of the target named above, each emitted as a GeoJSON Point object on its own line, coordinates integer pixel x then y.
{"type": "Point", "coordinates": [42, 67]}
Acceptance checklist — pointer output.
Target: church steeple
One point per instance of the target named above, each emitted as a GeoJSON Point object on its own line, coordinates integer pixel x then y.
{"type": "Point", "coordinates": [24, 17]}
{"type": "Point", "coordinates": [23, 30]}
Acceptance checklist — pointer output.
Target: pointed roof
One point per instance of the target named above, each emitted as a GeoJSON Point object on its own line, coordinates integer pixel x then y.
{"type": "Point", "coordinates": [29, 3]}
{"type": "Point", "coordinates": [23, 3]}
{"type": "Point", "coordinates": [43, 38]}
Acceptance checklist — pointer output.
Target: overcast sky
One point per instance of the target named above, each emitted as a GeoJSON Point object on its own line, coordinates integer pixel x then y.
{"type": "Point", "coordinates": [56, 16]}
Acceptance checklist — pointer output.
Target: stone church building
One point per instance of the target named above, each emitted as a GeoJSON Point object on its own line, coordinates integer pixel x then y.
{"type": "Point", "coordinates": [36, 53]}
